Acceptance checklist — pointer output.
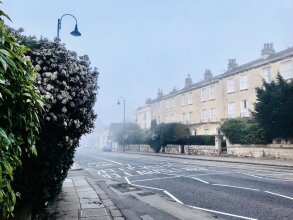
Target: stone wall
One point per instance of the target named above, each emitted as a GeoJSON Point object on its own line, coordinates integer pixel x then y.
{"type": "Point", "coordinates": [209, 150]}
{"type": "Point", "coordinates": [172, 149]}
{"type": "Point", "coordinates": [272, 151]}
{"type": "Point", "coordinates": [141, 148]}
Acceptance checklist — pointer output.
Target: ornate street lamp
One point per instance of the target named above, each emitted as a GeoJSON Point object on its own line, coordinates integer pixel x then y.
{"type": "Point", "coordinates": [75, 32]}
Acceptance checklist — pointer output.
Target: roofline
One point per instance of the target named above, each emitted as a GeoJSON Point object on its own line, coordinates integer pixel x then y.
{"type": "Point", "coordinates": [237, 70]}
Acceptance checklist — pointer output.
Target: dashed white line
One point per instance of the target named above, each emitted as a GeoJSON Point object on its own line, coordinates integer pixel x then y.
{"type": "Point", "coordinates": [159, 178]}
{"type": "Point", "coordinates": [267, 178]}
{"type": "Point", "coordinates": [276, 194]}
{"type": "Point", "coordinates": [200, 180]}
{"type": "Point", "coordinates": [109, 160]}
{"type": "Point", "coordinates": [238, 187]}
{"type": "Point", "coordinates": [222, 213]}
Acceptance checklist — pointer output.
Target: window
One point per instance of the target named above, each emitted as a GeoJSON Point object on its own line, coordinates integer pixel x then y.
{"type": "Point", "coordinates": [213, 114]}
{"type": "Point", "coordinates": [231, 110]}
{"type": "Point", "coordinates": [204, 115]}
{"type": "Point", "coordinates": [189, 117]}
{"type": "Point", "coordinates": [287, 70]}
{"type": "Point", "coordinates": [267, 75]}
{"type": "Point", "coordinates": [183, 100]}
{"type": "Point", "coordinates": [212, 91]}
{"type": "Point", "coordinates": [183, 118]}
{"type": "Point", "coordinates": [189, 98]}
{"type": "Point", "coordinates": [203, 94]}
{"type": "Point", "coordinates": [243, 82]}
{"type": "Point", "coordinates": [244, 108]}
{"type": "Point", "coordinates": [206, 131]}
{"type": "Point", "coordinates": [144, 116]}
{"type": "Point", "coordinates": [173, 100]}
{"type": "Point", "coordinates": [230, 86]}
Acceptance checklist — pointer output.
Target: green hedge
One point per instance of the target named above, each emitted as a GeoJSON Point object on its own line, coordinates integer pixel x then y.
{"type": "Point", "coordinates": [243, 131]}
{"type": "Point", "coordinates": [197, 140]}
{"type": "Point", "coordinates": [20, 108]}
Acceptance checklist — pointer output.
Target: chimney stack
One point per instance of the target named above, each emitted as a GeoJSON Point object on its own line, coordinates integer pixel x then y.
{"type": "Point", "coordinates": [188, 81]}
{"type": "Point", "coordinates": [174, 89]}
{"type": "Point", "coordinates": [160, 93]}
{"type": "Point", "coordinates": [267, 50]}
{"type": "Point", "coordinates": [208, 74]}
{"type": "Point", "coordinates": [148, 101]}
{"type": "Point", "coordinates": [232, 64]}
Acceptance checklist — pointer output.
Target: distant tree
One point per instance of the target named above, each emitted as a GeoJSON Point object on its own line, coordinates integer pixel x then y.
{"type": "Point", "coordinates": [274, 107]}
{"type": "Point", "coordinates": [131, 134]}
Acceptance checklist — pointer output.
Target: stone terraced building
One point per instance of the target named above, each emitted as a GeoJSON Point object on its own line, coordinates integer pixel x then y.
{"type": "Point", "coordinates": [205, 104]}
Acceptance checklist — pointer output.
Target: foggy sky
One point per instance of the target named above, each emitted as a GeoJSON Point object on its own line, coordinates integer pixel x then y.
{"type": "Point", "coordinates": [142, 45]}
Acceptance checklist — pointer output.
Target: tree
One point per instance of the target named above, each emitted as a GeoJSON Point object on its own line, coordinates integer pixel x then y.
{"type": "Point", "coordinates": [243, 131]}
{"type": "Point", "coordinates": [69, 85]}
{"type": "Point", "coordinates": [274, 107]}
{"type": "Point", "coordinates": [20, 109]}
{"type": "Point", "coordinates": [171, 133]}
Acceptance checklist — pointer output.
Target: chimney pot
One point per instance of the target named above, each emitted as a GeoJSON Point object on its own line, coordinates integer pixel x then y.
{"type": "Point", "coordinates": [232, 64]}
{"type": "Point", "coordinates": [188, 81]}
{"type": "Point", "coordinates": [267, 50]}
{"type": "Point", "coordinates": [208, 74]}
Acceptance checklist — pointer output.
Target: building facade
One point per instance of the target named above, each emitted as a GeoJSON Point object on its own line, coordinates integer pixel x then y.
{"type": "Point", "coordinates": [205, 104]}
{"type": "Point", "coordinates": [142, 115]}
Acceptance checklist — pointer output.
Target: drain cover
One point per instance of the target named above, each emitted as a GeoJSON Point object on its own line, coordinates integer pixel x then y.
{"type": "Point", "coordinates": [124, 187]}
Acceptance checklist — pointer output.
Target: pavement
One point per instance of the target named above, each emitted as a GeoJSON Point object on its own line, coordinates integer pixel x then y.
{"type": "Point", "coordinates": [85, 198]}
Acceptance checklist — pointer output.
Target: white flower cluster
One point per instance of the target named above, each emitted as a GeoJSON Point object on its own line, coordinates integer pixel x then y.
{"type": "Point", "coordinates": [69, 85]}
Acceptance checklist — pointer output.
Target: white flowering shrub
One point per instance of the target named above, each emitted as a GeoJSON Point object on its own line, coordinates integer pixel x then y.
{"type": "Point", "coordinates": [69, 85]}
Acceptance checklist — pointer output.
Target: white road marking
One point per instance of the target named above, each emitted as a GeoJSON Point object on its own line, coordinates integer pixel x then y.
{"type": "Point", "coordinates": [268, 178]}
{"type": "Point", "coordinates": [276, 194]}
{"type": "Point", "coordinates": [127, 174]}
{"type": "Point", "coordinates": [238, 187]}
{"type": "Point", "coordinates": [127, 180]}
{"type": "Point", "coordinates": [222, 213]}
{"type": "Point", "coordinates": [117, 176]}
{"type": "Point", "coordinates": [173, 197]}
{"type": "Point", "coordinates": [159, 178]}
{"type": "Point", "coordinates": [200, 180]}
{"type": "Point", "coordinates": [148, 187]}
{"type": "Point", "coordinates": [110, 161]}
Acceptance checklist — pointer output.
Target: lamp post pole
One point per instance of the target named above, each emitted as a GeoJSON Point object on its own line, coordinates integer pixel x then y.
{"type": "Point", "coordinates": [123, 138]}
{"type": "Point", "coordinates": [75, 32]}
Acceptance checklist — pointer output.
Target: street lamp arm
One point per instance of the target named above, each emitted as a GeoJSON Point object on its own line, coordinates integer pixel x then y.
{"type": "Point", "coordinates": [69, 15]}
{"type": "Point", "coordinates": [75, 32]}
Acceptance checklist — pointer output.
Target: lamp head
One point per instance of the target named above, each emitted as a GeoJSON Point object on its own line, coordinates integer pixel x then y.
{"type": "Point", "coordinates": [118, 103]}
{"type": "Point", "coordinates": [75, 32]}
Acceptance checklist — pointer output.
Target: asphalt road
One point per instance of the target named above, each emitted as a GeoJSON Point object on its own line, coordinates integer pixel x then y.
{"type": "Point", "coordinates": [229, 190]}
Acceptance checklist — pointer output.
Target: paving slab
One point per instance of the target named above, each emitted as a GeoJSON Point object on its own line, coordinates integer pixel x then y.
{"type": "Point", "coordinates": [93, 212]}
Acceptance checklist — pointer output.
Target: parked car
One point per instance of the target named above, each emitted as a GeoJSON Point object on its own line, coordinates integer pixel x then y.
{"type": "Point", "coordinates": [107, 148]}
